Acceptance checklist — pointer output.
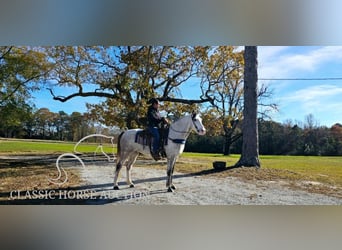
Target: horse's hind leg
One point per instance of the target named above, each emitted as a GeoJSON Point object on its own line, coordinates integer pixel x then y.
{"type": "Point", "coordinates": [116, 175]}
{"type": "Point", "coordinates": [129, 166]}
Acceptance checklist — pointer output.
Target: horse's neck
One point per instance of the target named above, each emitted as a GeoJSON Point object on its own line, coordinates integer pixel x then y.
{"type": "Point", "coordinates": [181, 127]}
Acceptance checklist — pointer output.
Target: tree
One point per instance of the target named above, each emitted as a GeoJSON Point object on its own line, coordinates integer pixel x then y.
{"type": "Point", "coordinates": [76, 125]}
{"type": "Point", "coordinates": [222, 84]}
{"type": "Point", "coordinates": [250, 144]}
{"type": "Point", "coordinates": [310, 122]}
{"type": "Point", "coordinates": [271, 137]}
{"type": "Point", "coordinates": [61, 122]}
{"type": "Point", "coordinates": [21, 68]}
{"type": "Point", "coordinates": [44, 120]}
{"type": "Point", "coordinates": [336, 135]}
{"type": "Point", "coordinates": [293, 139]}
{"type": "Point", "coordinates": [125, 76]}
{"type": "Point", "coordinates": [14, 116]}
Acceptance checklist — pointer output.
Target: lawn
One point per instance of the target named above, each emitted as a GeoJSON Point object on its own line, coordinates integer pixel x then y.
{"type": "Point", "coordinates": [317, 167]}
{"type": "Point", "coordinates": [295, 170]}
{"type": "Point", "coordinates": [317, 172]}
{"type": "Point", "coordinates": [298, 163]}
{"type": "Point", "coordinates": [48, 147]}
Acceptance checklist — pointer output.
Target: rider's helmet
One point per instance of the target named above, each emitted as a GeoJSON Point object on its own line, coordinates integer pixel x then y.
{"type": "Point", "coordinates": [153, 101]}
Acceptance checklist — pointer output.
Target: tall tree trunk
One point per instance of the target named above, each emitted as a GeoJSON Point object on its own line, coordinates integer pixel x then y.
{"type": "Point", "coordinates": [227, 144]}
{"type": "Point", "coordinates": [229, 137]}
{"type": "Point", "coordinates": [250, 140]}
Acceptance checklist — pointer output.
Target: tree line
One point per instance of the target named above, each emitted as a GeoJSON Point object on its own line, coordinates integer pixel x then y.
{"type": "Point", "coordinates": [280, 139]}
{"type": "Point", "coordinates": [44, 124]}
{"type": "Point", "coordinates": [289, 138]}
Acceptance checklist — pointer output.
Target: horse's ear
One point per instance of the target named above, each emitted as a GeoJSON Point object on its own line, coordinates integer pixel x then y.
{"type": "Point", "coordinates": [193, 114]}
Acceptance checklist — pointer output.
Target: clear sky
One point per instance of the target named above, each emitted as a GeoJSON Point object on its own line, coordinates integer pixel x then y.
{"type": "Point", "coordinates": [296, 98]}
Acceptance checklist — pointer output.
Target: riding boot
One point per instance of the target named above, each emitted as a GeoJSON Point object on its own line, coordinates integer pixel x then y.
{"type": "Point", "coordinates": [156, 156]}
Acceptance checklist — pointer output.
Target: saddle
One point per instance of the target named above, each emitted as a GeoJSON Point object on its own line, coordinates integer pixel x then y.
{"type": "Point", "coordinates": [145, 138]}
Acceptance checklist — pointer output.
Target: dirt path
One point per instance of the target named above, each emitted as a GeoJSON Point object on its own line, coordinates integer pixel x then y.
{"type": "Point", "coordinates": [191, 190]}
{"type": "Point", "coordinates": [96, 181]}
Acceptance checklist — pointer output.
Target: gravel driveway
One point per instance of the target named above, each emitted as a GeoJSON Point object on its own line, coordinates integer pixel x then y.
{"type": "Point", "coordinates": [193, 190]}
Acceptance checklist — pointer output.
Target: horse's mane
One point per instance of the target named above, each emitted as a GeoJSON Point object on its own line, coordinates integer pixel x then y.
{"type": "Point", "coordinates": [183, 117]}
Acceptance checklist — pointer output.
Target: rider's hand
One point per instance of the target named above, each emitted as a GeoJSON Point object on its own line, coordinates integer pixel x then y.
{"type": "Point", "coordinates": [165, 120]}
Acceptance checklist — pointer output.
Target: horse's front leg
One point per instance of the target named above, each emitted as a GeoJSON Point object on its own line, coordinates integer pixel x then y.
{"type": "Point", "coordinates": [170, 168]}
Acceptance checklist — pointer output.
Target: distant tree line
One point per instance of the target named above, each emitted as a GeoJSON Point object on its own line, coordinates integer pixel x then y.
{"type": "Point", "coordinates": [279, 139]}
{"type": "Point", "coordinates": [44, 124]}
{"type": "Point", "coordinates": [289, 139]}
{"type": "Point", "coordinates": [275, 138]}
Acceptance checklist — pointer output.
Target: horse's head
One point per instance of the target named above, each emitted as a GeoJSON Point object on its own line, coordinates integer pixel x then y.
{"type": "Point", "coordinates": [197, 124]}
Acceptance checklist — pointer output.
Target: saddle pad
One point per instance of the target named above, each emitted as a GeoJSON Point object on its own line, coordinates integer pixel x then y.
{"type": "Point", "coordinates": [143, 137]}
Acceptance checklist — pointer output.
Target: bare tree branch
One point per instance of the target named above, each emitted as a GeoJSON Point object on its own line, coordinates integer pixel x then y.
{"type": "Point", "coordinates": [82, 94]}
{"type": "Point", "coordinates": [184, 101]}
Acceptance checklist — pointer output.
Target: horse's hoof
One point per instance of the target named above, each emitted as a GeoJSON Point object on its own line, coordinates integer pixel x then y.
{"type": "Point", "coordinates": [170, 190]}
{"type": "Point", "coordinates": [116, 188]}
{"type": "Point", "coordinates": [173, 187]}
{"type": "Point", "coordinates": [132, 186]}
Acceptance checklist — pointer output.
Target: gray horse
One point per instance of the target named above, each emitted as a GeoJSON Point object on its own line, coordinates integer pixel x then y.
{"type": "Point", "coordinates": [128, 149]}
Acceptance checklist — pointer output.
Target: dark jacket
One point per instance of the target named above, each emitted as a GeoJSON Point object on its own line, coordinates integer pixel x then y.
{"type": "Point", "coordinates": [153, 117]}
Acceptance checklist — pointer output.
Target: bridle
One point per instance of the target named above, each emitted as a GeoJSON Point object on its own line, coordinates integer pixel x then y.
{"type": "Point", "coordinates": [187, 133]}
{"type": "Point", "coordinates": [196, 127]}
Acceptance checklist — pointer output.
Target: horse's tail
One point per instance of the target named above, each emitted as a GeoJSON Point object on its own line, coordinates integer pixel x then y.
{"type": "Point", "coordinates": [119, 147]}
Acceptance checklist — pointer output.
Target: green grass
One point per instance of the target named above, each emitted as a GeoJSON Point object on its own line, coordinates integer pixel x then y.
{"type": "Point", "coordinates": [327, 170]}
{"type": "Point", "coordinates": [317, 168]}
{"type": "Point", "coordinates": [324, 169]}
{"type": "Point", "coordinates": [46, 147]}
{"type": "Point", "coordinates": [299, 172]}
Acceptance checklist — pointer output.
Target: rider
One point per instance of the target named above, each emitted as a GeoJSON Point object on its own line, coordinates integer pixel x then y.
{"type": "Point", "coordinates": [154, 121]}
